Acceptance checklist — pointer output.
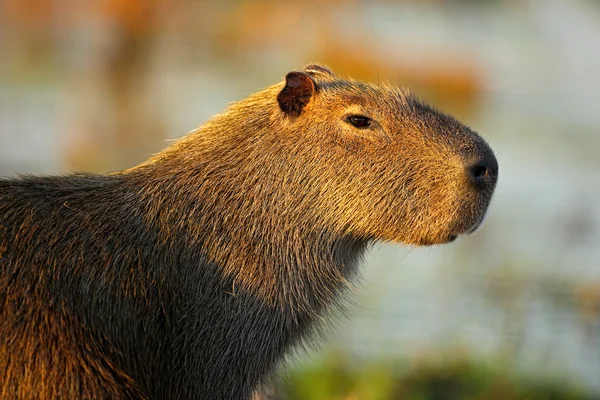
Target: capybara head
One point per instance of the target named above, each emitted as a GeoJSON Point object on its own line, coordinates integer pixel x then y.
{"type": "Point", "coordinates": [358, 159]}
{"type": "Point", "coordinates": [386, 165]}
{"type": "Point", "coordinates": [317, 158]}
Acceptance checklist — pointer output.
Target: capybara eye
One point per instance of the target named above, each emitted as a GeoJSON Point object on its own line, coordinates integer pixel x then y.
{"type": "Point", "coordinates": [359, 121]}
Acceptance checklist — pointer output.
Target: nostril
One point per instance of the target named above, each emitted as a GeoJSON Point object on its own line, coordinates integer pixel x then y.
{"type": "Point", "coordinates": [479, 171]}
{"type": "Point", "coordinates": [483, 172]}
{"type": "Point", "coordinates": [481, 168]}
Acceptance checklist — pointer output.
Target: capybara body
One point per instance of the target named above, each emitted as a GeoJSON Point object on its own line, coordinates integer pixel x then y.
{"type": "Point", "coordinates": [191, 275]}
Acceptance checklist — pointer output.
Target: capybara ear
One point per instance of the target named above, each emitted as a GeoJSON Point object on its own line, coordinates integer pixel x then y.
{"type": "Point", "coordinates": [295, 95]}
{"type": "Point", "coordinates": [316, 69]}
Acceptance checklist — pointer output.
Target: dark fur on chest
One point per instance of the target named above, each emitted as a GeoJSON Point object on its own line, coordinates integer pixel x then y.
{"type": "Point", "coordinates": [93, 303]}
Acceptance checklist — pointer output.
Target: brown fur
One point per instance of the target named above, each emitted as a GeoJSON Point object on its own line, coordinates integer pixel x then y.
{"type": "Point", "coordinates": [192, 275]}
{"type": "Point", "coordinates": [291, 178]}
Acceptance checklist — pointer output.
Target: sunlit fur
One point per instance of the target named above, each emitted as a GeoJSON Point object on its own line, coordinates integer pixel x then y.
{"type": "Point", "coordinates": [273, 188]}
{"type": "Point", "coordinates": [191, 275]}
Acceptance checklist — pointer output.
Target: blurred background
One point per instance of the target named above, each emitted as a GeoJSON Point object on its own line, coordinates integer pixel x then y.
{"type": "Point", "coordinates": [511, 312]}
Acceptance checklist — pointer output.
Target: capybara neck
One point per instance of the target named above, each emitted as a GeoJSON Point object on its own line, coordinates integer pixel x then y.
{"type": "Point", "coordinates": [233, 190]}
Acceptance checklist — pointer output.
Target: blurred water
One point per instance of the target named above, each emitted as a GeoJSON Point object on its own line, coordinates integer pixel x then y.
{"type": "Point", "coordinates": [30, 145]}
{"type": "Point", "coordinates": [510, 291]}
{"type": "Point", "coordinates": [524, 288]}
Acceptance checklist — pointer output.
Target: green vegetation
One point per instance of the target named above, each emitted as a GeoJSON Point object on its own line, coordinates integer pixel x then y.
{"type": "Point", "coordinates": [337, 379]}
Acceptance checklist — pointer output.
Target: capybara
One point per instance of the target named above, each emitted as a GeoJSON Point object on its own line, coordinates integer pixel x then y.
{"type": "Point", "coordinates": [191, 275]}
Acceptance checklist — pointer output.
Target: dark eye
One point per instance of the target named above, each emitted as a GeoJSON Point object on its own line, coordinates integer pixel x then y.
{"type": "Point", "coordinates": [359, 121]}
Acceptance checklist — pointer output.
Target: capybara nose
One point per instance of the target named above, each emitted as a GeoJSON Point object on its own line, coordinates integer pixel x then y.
{"type": "Point", "coordinates": [483, 170]}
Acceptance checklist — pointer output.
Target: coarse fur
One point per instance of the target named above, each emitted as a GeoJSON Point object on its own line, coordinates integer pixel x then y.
{"type": "Point", "coordinates": [192, 274]}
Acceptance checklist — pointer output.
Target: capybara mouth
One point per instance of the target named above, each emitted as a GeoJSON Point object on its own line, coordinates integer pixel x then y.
{"type": "Point", "coordinates": [474, 228]}
{"type": "Point", "coordinates": [466, 227]}
{"type": "Point", "coordinates": [467, 231]}
{"type": "Point", "coordinates": [436, 240]}
{"type": "Point", "coordinates": [455, 236]}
